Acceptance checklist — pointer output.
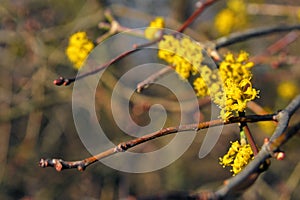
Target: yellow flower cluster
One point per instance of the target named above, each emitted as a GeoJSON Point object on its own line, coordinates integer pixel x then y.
{"type": "Point", "coordinates": [232, 17]}
{"type": "Point", "coordinates": [230, 86]}
{"type": "Point", "coordinates": [78, 49]}
{"type": "Point", "coordinates": [236, 75]}
{"type": "Point", "coordinates": [183, 54]}
{"type": "Point", "coordinates": [152, 31]}
{"type": "Point", "coordinates": [237, 157]}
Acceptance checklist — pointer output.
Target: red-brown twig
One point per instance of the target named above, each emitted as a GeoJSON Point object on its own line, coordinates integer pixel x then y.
{"type": "Point", "coordinates": [276, 47]}
{"type": "Point", "coordinates": [60, 164]}
{"type": "Point", "coordinates": [67, 81]}
{"type": "Point", "coordinates": [163, 72]}
{"type": "Point", "coordinates": [250, 139]}
{"type": "Point", "coordinates": [192, 18]}
{"type": "Point", "coordinates": [151, 79]}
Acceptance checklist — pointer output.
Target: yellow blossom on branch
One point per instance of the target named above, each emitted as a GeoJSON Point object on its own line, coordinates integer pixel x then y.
{"type": "Point", "coordinates": [153, 30]}
{"type": "Point", "coordinates": [236, 77]}
{"type": "Point", "coordinates": [79, 48]}
{"type": "Point", "coordinates": [237, 157]}
{"type": "Point", "coordinates": [229, 86]}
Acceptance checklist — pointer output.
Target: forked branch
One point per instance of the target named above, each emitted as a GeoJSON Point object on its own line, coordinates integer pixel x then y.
{"type": "Point", "coordinates": [234, 185]}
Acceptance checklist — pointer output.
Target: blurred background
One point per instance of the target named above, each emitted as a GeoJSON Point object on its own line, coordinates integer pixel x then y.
{"type": "Point", "coordinates": [36, 117]}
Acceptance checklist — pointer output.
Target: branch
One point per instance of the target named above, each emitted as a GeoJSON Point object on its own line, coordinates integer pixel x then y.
{"type": "Point", "coordinates": [272, 49]}
{"type": "Point", "coordinates": [151, 79]}
{"type": "Point", "coordinates": [67, 81]}
{"type": "Point", "coordinates": [192, 18]}
{"type": "Point", "coordinates": [269, 149]}
{"type": "Point", "coordinates": [276, 47]}
{"type": "Point", "coordinates": [252, 33]}
{"type": "Point", "coordinates": [60, 164]}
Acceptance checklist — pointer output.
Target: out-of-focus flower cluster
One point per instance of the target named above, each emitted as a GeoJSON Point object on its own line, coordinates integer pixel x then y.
{"type": "Point", "coordinates": [153, 30]}
{"type": "Point", "coordinates": [79, 48]}
{"type": "Point", "coordinates": [232, 17]}
{"type": "Point", "coordinates": [287, 90]}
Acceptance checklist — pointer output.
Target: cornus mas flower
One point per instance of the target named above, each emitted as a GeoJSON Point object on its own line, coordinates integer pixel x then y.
{"type": "Point", "coordinates": [79, 48]}
{"type": "Point", "coordinates": [237, 157]}
{"type": "Point", "coordinates": [153, 30]}
{"type": "Point", "coordinates": [229, 86]}
{"type": "Point", "coordinates": [236, 75]}
{"type": "Point", "coordinates": [183, 54]}
{"type": "Point", "coordinates": [232, 17]}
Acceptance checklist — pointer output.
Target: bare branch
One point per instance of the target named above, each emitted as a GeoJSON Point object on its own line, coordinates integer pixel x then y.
{"type": "Point", "coordinates": [237, 184]}
{"type": "Point", "coordinates": [192, 18]}
{"type": "Point", "coordinates": [252, 33]}
{"type": "Point", "coordinates": [60, 164]}
{"type": "Point", "coordinates": [151, 79]}
{"type": "Point", "coordinates": [268, 150]}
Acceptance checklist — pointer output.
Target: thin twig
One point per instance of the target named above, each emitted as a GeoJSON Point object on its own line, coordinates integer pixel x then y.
{"type": "Point", "coordinates": [276, 47]}
{"type": "Point", "coordinates": [192, 18]}
{"type": "Point", "coordinates": [67, 81]}
{"type": "Point", "coordinates": [252, 33]}
{"type": "Point", "coordinates": [250, 139]}
{"type": "Point", "coordinates": [151, 79]}
{"type": "Point", "coordinates": [60, 164]}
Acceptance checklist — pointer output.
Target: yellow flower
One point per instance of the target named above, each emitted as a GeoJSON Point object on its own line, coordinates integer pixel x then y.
{"type": "Point", "coordinates": [287, 90]}
{"type": "Point", "coordinates": [237, 157]}
{"type": "Point", "coordinates": [236, 75]}
{"type": "Point", "coordinates": [78, 49]}
{"type": "Point", "coordinates": [229, 86]}
{"type": "Point", "coordinates": [232, 17]}
{"type": "Point", "coordinates": [183, 54]}
{"type": "Point", "coordinates": [237, 6]}
{"type": "Point", "coordinates": [200, 87]}
{"type": "Point", "coordinates": [224, 21]}
{"type": "Point", "coordinates": [152, 31]}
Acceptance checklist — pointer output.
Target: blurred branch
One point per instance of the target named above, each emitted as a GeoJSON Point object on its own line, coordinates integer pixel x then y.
{"type": "Point", "coordinates": [192, 18]}
{"type": "Point", "coordinates": [60, 164]}
{"type": "Point", "coordinates": [272, 9]}
{"type": "Point", "coordinates": [252, 33]}
{"type": "Point", "coordinates": [29, 106]}
{"type": "Point", "coordinates": [114, 27]}
{"type": "Point", "coordinates": [276, 47]}
{"type": "Point", "coordinates": [151, 79]}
